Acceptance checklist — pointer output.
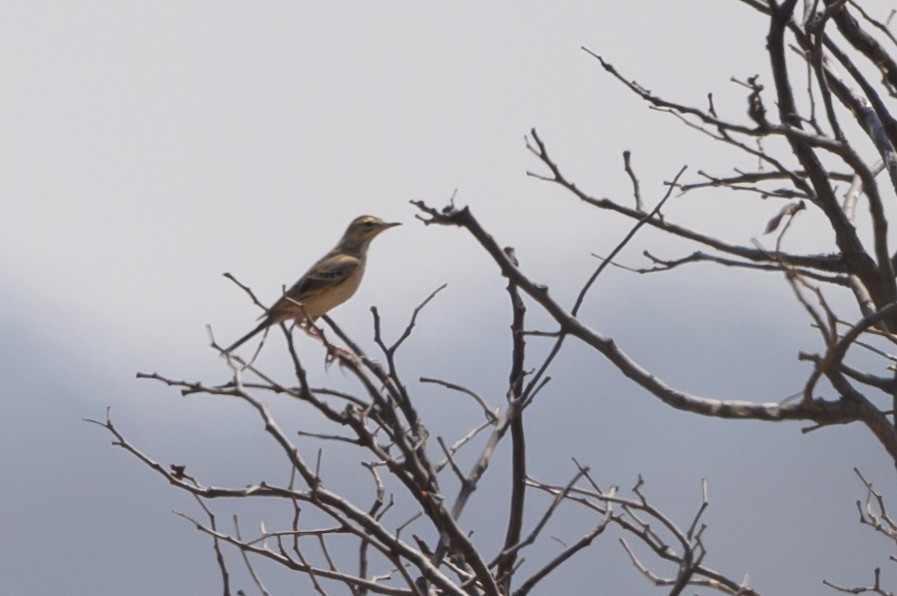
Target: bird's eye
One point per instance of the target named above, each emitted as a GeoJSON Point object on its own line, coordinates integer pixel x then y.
{"type": "Point", "coordinates": [369, 224]}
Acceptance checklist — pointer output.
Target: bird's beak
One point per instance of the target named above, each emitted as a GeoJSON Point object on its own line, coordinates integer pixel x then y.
{"type": "Point", "coordinates": [391, 225]}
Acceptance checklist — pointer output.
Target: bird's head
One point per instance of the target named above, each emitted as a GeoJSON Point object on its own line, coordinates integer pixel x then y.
{"type": "Point", "coordinates": [363, 229]}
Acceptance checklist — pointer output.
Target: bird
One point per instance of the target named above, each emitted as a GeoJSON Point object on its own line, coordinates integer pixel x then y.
{"type": "Point", "coordinates": [328, 283]}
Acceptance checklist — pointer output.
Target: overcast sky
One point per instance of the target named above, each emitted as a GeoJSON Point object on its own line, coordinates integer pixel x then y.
{"type": "Point", "coordinates": [146, 148]}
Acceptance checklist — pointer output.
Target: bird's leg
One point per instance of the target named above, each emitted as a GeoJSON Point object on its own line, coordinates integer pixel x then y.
{"type": "Point", "coordinates": [334, 352]}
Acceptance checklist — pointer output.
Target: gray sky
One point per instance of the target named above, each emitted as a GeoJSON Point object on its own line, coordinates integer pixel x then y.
{"type": "Point", "coordinates": [148, 148]}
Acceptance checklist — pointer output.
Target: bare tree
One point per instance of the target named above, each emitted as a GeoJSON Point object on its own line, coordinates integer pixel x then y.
{"type": "Point", "coordinates": [819, 129]}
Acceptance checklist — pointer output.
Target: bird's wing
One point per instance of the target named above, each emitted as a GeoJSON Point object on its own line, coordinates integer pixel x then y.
{"type": "Point", "coordinates": [328, 272]}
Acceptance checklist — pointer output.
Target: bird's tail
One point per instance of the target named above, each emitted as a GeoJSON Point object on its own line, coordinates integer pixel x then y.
{"type": "Point", "coordinates": [263, 325]}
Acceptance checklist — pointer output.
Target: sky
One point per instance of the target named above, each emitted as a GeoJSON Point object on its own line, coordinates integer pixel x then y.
{"type": "Point", "coordinates": [146, 149]}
